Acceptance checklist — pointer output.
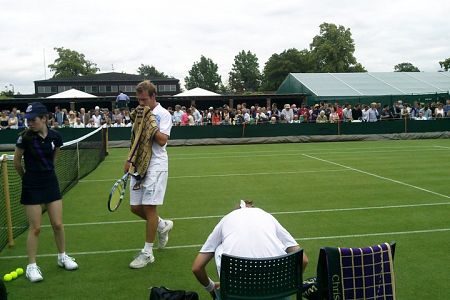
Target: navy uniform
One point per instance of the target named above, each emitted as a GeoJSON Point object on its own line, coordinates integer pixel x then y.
{"type": "Point", "coordinates": [39, 183]}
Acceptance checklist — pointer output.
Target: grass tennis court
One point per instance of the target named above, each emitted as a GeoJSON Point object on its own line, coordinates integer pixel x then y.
{"type": "Point", "coordinates": [349, 194]}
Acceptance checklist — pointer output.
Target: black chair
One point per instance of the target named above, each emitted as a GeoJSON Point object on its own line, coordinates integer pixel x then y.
{"type": "Point", "coordinates": [357, 273]}
{"type": "Point", "coordinates": [266, 278]}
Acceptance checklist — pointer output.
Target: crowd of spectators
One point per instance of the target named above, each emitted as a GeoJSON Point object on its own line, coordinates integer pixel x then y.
{"type": "Point", "coordinates": [318, 113]}
{"type": "Point", "coordinates": [242, 114]}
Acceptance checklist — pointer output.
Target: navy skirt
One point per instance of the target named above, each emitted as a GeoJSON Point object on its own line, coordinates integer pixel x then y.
{"type": "Point", "coordinates": [40, 188]}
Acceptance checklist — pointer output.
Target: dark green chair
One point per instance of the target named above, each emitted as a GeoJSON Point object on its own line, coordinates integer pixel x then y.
{"type": "Point", "coordinates": [264, 278]}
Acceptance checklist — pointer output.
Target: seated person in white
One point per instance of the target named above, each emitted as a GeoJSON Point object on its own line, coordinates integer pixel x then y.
{"type": "Point", "coordinates": [246, 232]}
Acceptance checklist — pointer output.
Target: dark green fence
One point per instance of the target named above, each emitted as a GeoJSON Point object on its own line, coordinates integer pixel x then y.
{"type": "Point", "coordinates": [265, 130]}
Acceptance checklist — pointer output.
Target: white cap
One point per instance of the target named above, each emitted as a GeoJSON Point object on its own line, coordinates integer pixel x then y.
{"type": "Point", "coordinates": [97, 108]}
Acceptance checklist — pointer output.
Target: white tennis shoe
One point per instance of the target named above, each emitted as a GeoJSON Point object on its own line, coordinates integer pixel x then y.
{"type": "Point", "coordinates": [141, 260]}
{"type": "Point", "coordinates": [67, 263]}
{"type": "Point", "coordinates": [164, 234]}
{"type": "Point", "coordinates": [34, 273]}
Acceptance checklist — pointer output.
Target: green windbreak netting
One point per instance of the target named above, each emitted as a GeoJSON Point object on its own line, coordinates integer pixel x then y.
{"type": "Point", "coordinates": [76, 159]}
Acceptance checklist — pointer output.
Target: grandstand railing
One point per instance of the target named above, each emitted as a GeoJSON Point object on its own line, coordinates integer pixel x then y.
{"type": "Point", "coordinates": [76, 159]}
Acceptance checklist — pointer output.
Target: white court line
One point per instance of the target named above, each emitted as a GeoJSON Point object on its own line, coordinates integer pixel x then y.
{"type": "Point", "coordinates": [296, 152]}
{"type": "Point", "coordinates": [200, 245]}
{"type": "Point", "coordinates": [273, 213]}
{"type": "Point", "coordinates": [442, 147]}
{"type": "Point", "coordinates": [301, 148]}
{"type": "Point", "coordinates": [377, 176]}
{"type": "Point", "coordinates": [232, 174]}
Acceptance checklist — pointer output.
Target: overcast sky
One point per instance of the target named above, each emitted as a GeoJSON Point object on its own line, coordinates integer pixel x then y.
{"type": "Point", "coordinates": [172, 35]}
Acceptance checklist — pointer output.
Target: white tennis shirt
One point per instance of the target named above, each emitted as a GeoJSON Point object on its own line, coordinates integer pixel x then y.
{"type": "Point", "coordinates": [159, 160]}
{"type": "Point", "coordinates": [249, 232]}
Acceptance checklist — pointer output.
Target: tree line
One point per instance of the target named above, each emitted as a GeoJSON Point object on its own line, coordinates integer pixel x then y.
{"type": "Point", "coordinates": [332, 50]}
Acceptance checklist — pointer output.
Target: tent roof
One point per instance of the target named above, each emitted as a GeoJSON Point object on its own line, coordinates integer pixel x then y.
{"type": "Point", "coordinates": [196, 92]}
{"type": "Point", "coordinates": [72, 93]}
{"type": "Point", "coordinates": [366, 84]}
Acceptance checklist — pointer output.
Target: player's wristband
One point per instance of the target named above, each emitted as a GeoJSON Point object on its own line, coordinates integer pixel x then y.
{"type": "Point", "coordinates": [210, 287]}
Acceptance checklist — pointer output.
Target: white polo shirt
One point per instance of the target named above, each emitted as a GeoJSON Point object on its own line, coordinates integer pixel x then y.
{"type": "Point", "coordinates": [160, 160]}
{"type": "Point", "coordinates": [249, 232]}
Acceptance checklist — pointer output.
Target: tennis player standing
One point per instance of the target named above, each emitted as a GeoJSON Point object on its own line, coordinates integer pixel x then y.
{"type": "Point", "coordinates": [39, 146]}
{"type": "Point", "coordinates": [147, 191]}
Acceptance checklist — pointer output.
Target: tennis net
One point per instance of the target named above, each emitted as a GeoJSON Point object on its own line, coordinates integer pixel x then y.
{"type": "Point", "coordinates": [76, 159]}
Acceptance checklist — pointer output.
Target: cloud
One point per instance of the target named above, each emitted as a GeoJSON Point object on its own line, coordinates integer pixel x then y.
{"type": "Point", "coordinates": [172, 35]}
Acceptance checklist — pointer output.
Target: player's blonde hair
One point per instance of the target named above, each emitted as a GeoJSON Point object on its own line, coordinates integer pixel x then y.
{"type": "Point", "coordinates": [147, 86]}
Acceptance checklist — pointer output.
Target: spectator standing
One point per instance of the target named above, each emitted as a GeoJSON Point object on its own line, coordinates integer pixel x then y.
{"type": "Point", "coordinates": [447, 109]}
{"type": "Point", "coordinates": [84, 117]}
{"type": "Point", "coordinates": [365, 113]}
{"type": "Point", "coordinates": [386, 113]}
{"type": "Point", "coordinates": [414, 110]}
{"type": "Point", "coordinates": [198, 119]}
{"type": "Point", "coordinates": [334, 117]}
{"type": "Point", "coordinates": [356, 112]}
{"type": "Point", "coordinates": [4, 118]}
{"type": "Point", "coordinates": [97, 118]}
{"type": "Point", "coordinates": [288, 113]}
{"type": "Point", "coordinates": [177, 114]}
{"type": "Point", "coordinates": [347, 113]}
{"type": "Point", "coordinates": [72, 118]}
{"type": "Point", "coordinates": [373, 113]}
{"type": "Point", "coordinates": [59, 116]}
{"type": "Point", "coordinates": [322, 117]}
{"type": "Point", "coordinates": [122, 101]}
{"type": "Point", "coordinates": [78, 123]}
{"type": "Point", "coordinates": [13, 120]}
{"type": "Point", "coordinates": [438, 112]}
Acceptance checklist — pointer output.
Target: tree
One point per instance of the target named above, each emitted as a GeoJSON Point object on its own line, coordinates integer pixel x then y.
{"type": "Point", "coordinates": [406, 67]}
{"type": "Point", "coordinates": [245, 74]}
{"type": "Point", "coordinates": [70, 63]}
{"type": "Point", "coordinates": [150, 72]}
{"type": "Point", "coordinates": [280, 65]}
{"type": "Point", "coordinates": [333, 50]}
{"type": "Point", "coordinates": [203, 74]}
{"type": "Point", "coordinates": [445, 64]}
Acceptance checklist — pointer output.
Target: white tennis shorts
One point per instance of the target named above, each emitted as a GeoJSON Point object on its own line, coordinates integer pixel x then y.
{"type": "Point", "coordinates": [152, 190]}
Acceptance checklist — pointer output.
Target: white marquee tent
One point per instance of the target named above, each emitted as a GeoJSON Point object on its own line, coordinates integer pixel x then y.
{"type": "Point", "coordinates": [196, 92]}
{"type": "Point", "coordinates": [72, 93]}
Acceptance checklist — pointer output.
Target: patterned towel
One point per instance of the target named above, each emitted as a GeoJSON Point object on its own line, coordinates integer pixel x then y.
{"type": "Point", "coordinates": [143, 131]}
{"type": "Point", "coordinates": [357, 273]}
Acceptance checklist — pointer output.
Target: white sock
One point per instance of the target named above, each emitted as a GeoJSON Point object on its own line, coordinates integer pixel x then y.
{"type": "Point", "coordinates": [32, 265]}
{"type": "Point", "coordinates": [161, 224]}
{"type": "Point", "coordinates": [148, 248]}
{"type": "Point", "coordinates": [61, 255]}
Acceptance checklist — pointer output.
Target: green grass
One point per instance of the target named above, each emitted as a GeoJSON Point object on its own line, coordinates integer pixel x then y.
{"type": "Point", "coordinates": [383, 179]}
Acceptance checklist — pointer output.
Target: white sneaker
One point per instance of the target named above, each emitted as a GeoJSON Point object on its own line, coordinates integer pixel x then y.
{"type": "Point", "coordinates": [164, 234]}
{"type": "Point", "coordinates": [141, 260]}
{"type": "Point", "coordinates": [67, 263]}
{"type": "Point", "coordinates": [34, 273]}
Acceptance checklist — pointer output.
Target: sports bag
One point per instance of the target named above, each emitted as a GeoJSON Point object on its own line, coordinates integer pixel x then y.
{"type": "Point", "coordinates": [163, 293]}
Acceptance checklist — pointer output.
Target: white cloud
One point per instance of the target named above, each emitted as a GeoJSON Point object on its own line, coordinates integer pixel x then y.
{"type": "Point", "coordinates": [172, 35]}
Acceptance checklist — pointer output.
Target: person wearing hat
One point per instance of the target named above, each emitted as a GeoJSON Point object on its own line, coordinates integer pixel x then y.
{"type": "Point", "coordinates": [39, 146]}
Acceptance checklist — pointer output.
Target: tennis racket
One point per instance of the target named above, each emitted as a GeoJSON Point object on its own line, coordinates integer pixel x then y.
{"type": "Point", "coordinates": [117, 193]}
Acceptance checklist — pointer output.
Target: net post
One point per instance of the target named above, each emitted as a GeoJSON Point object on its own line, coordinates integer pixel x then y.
{"type": "Point", "coordinates": [106, 139]}
{"type": "Point", "coordinates": [78, 161]}
{"type": "Point", "coordinates": [4, 165]}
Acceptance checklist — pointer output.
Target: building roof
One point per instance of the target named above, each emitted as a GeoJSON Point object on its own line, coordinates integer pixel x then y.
{"type": "Point", "coordinates": [196, 92]}
{"type": "Point", "coordinates": [111, 76]}
{"type": "Point", "coordinates": [366, 84]}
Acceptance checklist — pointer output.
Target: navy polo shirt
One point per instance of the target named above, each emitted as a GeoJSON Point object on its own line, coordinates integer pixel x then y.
{"type": "Point", "coordinates": [39, 152]}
